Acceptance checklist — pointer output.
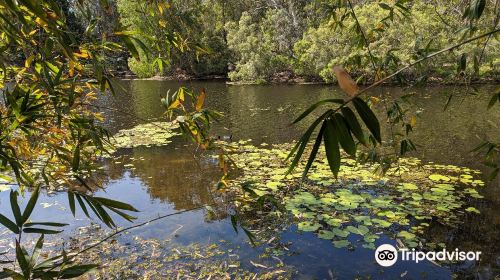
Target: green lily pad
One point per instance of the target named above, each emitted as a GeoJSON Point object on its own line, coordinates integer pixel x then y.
{"type": "Point", "coordinates": [325, 234]}
{"type": "Point", "coordinates": [370, 246]}
{"type": "Point", "coordinates": [409, 186]}
{"type": "Point", "coordinates": [149, 134]}
{"type": "Point", "coordinates": [439, 178]}
{"type": "Point", "coordinates": [472, 210]}
{"type": "Point", "coordinates": [361, 229]}
{"type": "Point", "coordinates": [341, 243]}
{"type": "Point", "coordinates": [340, 233]}
{"type": "Point", "coordinates": [382, 223]}
{"type": "Point", "coordinates": [308, 226]}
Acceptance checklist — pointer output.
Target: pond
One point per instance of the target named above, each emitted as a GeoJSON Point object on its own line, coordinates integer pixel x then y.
{"type": "Point", "coordinates": [168, 179]}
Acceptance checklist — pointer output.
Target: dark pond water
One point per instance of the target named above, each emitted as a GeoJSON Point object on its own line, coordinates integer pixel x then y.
{"type": "Point", "coordinates": [168, 179]}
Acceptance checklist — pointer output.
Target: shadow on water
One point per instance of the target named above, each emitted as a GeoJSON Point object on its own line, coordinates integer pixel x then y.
{"type": "Point", "coordinates": [167, 179]}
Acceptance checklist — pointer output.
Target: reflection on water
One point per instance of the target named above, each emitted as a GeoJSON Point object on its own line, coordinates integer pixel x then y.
{"type": "Point", "coordinates": [166, 179]}
{"type": "Point", "coordinates": [172, 174]}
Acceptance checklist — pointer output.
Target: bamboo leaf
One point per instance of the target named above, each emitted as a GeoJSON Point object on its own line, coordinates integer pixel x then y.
{"type": "Point", "coordinates": [346, 83]}
{"type": "Point", "coordinates": [494, 99]}
{"type": "Point", "coordinates": [31, 205]}
{"type": "Point", "coordinates": [77, 270]}
{"type": "Point", "coordinates": [123, 215]}
{"type": "Point", "coordinates": [71, 201]}
{"type": "Point", "coordinates": [314, 151]}
{"type": "Point", "coordinates": [234, 223]}
{"type": "Point", "coordinates": [353, 124]}
{"type": "Point", "coordinates": [36, 250]}
{"type": "Point", "coordinates": [50, 224]}
{"type": "Point", "coordinates": [301, 145]}
{"type": "Point", "coordinates": [41, 231]}
{"type": "Point", "coordinates": [15, 208]}
{"type": "Point", "coordinates": [368, 118]}
{"type": "Point", "coordinates": [200, 101]}
{"type": "Point", "coordinates": [115, 204]}
{"type": "Point", "coordinates": [9, 224]}
{"type": "Point", "coordinates": [22, 260]}
{"type": "Point", "coordinates": [75, 165]}
{"type": "Point", "coordinates": [345, 137]}
{"type": "Point", "coordinates": [478, 8]}
{"type": "Point", "coordinates": [316, 105]}
{"type": "Point", "coordinates": [82, 205]}
{"type": "Point", "coordinates": [104, 215]}
{"type": "Point", "coordinates": [332, 147]}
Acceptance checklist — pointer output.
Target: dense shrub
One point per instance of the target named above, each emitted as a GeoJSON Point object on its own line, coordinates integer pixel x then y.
{"type": "Point", "coordinates": [261, 49]}
{"type": "Point", "coordinates": [392, 43]}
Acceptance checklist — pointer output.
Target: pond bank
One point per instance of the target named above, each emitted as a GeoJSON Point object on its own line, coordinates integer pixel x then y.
{"type": "Point", "coordinates": [280, 78]}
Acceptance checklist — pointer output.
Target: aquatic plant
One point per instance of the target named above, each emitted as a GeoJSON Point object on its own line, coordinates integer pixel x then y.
{"type": "Point", "coordinates": [148, 134]}
{"type": "Point", "coordinates": [360, 205]}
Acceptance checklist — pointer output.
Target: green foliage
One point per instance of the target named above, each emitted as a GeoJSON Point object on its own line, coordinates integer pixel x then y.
{"type": "Point", "coordinates": [142, 68]}
{"type": "Point", "coordinates": [338, 130]}
{"type": "Point", "coordinates": [259, 46]}
{"type": "Point", "coordinates": [49, 136]}
{"type": "Point", "coordinates": [181, 35]}
{"type": "Point", "coordinates": [395, 36]}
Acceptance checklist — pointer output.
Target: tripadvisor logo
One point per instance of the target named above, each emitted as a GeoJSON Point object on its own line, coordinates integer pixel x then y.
{"type": "Point", "coordinates": [387, 255]}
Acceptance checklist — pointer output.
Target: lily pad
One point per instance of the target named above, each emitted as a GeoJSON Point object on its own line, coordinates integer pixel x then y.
{"type": "Point", "coordinates": [361, 229]}
{"type": "Point", "coordinates": [439, 178]}
{"type": "Point", "coordinates": [308, 226]}
{"type": "Point", "coordinates": [340, 233]}
{"type": "Point", "coordinates": [472, 210]}
{"type": "Point", "coordinates": [149, 134]}
{"type": "Point", "coordinates": [325, 234]}
{"type": "Point", "coordinates": [341, 243]}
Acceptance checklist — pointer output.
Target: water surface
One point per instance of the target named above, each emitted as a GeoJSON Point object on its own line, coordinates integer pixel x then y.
{"type": "Point", "coordinates": [172, 178]}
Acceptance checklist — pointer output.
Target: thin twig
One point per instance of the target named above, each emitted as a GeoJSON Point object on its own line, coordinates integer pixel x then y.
{"type": "Point", "coordinates": [367, 44]}
{"type": "Point", "coordinates": [140, 225]}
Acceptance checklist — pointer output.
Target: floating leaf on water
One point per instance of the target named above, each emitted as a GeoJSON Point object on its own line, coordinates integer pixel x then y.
{"type": "Point", "coordinates": [382, 223]}
{"type": "Point", "coordinates": [388, 214]}
{"type": "Point", "coordinates": [409, 186]}
{"type": "Point", "coordinates": [341, 243]}
{"type": "Point", "coordinates": [439, 177]}
{"type": "Point", "coordinates": [361, 229]}
{"type": "Point", "coordinates": [472, 210]}
{"type": "Point", "coordinates": [325, 234]}
{"type": "Point", "coordinates": [340, 233]}
{"type": "Point", "coordinates": [363, 219]}
{"type": "Point", "coordinates": [370, 246]}
{"type": "Point", "coordinates": [156, 134]}
{"type": "Point", "coordinates": [308, 226]}
{"type": "Point", "coordinates": [371, 238]}
{"type": "Point", "coordinates": [363, 201]}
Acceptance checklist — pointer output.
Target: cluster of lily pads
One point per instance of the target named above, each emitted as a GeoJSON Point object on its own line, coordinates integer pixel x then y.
{"type": "Point", "coordinates": [149, 134]}
{"type": "Point", "coordinates": [359, 206]}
